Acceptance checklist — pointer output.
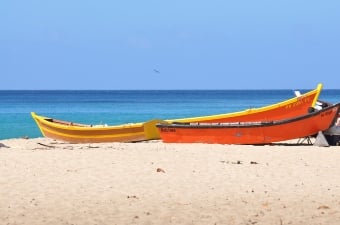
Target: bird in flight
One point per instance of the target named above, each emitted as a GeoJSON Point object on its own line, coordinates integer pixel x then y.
{"type": "Point", "coordinates": [156, 71]}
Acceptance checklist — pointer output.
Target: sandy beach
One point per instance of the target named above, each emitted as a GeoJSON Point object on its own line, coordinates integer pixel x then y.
{"type": "Point", "coordinates": [43, 181]}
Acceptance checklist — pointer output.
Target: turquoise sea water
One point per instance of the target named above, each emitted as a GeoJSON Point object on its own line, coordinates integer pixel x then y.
{"type": "Point", "coordinates": [116, 107]}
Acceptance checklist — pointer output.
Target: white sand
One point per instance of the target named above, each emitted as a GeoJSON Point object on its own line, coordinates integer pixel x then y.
{"type": "Point", "coordinates": [157, 183]}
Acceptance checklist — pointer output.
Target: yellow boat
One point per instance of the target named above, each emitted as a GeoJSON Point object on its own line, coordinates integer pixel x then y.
{"type": "Point", "coordinates": [82, 133]}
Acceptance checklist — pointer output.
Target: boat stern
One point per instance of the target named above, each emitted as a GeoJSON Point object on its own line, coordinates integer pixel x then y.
{"type": "Point", "coordinates": [150, 130]}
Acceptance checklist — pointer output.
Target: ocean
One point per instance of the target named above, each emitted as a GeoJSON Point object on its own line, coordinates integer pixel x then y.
{"type": "Point", "coordinates": [117, 107]}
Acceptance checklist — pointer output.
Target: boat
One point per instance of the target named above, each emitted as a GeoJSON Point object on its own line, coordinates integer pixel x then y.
{"type": "Point", "coordinates": [292, 107]}
{"type": "Point", "coordinates": [84, 133]}
{"type": "Point", "coordinates": [261, 132]}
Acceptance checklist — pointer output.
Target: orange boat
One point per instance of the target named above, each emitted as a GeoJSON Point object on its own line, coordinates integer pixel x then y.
{"type": "Point", "coordinates": [262, 132]}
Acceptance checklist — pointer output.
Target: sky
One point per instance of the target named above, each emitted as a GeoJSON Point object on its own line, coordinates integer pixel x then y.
{"type": "Point", "coordinates": [162, 44]}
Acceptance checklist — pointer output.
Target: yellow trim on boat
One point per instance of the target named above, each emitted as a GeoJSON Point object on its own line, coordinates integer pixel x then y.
{"type": "Point", "coordinates": [252, 110]}
{"type": "Point", "coordinates": [318, 91]}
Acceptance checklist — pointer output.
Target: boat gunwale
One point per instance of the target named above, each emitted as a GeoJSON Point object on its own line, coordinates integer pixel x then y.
{"type": "Point", "coordinates": [207, 125]}
{"type": "Point", "coordinates": [249, 111]}
{"type": "Point", "coordinates": [74, 126]}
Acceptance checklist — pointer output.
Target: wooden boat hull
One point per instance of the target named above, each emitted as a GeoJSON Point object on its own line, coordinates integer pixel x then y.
{"type": "Point", "coordinates": [81, 133]}
{"type": "Point", "coordinates": [250, 132]}
{"type": "Point", "coordinates": [292, 107]}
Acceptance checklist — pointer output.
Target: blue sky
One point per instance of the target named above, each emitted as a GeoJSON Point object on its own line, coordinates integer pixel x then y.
{"type": "Point", "coordinates": [192, 44]}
